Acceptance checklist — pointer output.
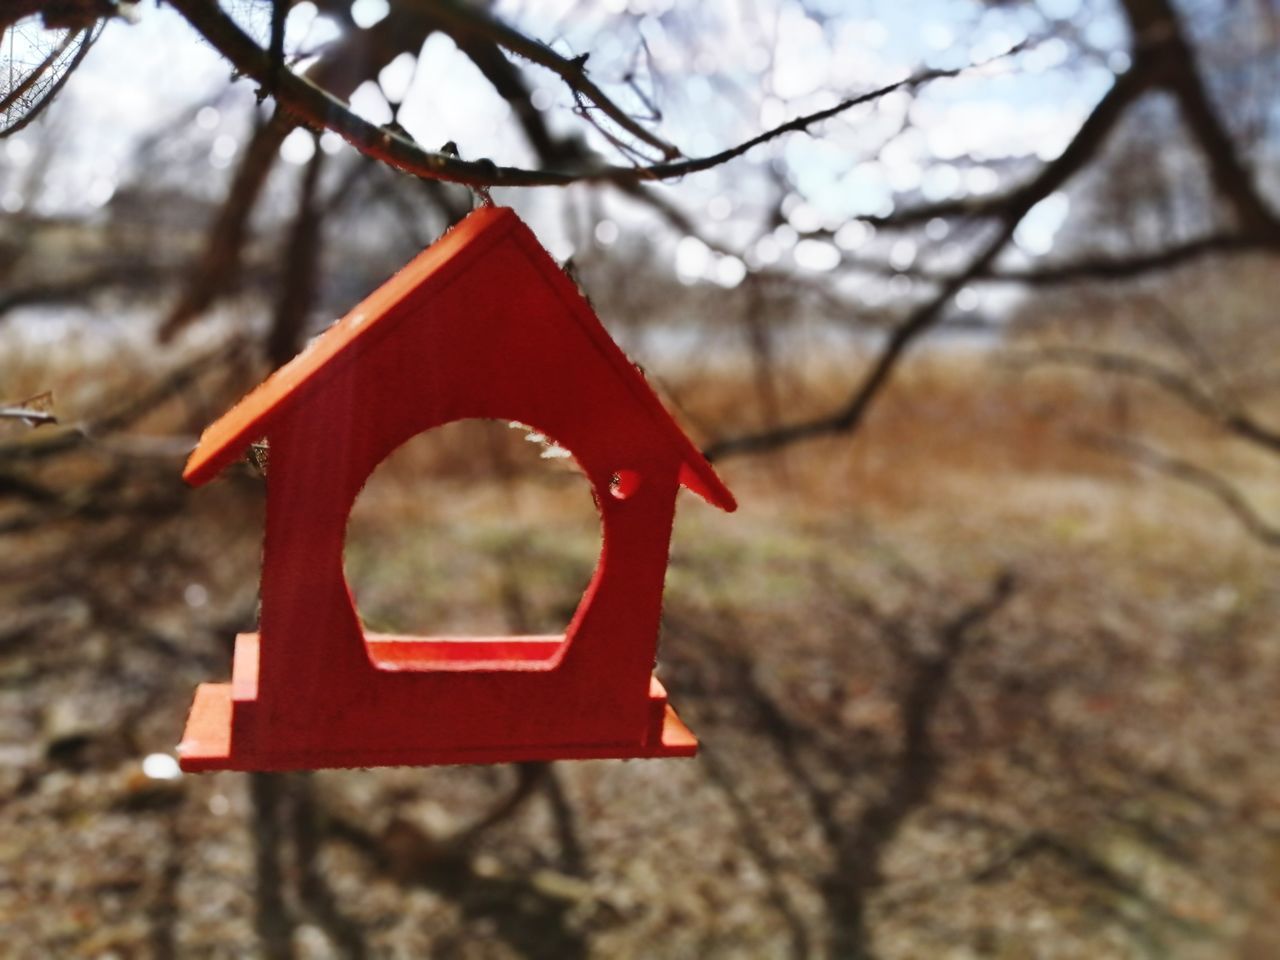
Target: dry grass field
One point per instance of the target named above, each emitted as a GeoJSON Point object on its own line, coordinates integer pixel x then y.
{"type": "Point", "coordinates": [966, 687]}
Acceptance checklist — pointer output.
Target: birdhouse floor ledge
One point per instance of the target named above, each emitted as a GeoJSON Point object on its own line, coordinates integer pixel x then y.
{"type": "Point", "coordinates": [208, 744]}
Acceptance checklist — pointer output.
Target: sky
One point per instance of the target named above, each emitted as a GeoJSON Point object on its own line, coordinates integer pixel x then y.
{"type": "Point", "coordinates": [718, 71]}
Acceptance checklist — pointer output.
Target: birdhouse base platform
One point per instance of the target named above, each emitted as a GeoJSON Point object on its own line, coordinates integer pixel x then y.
{"type": "Point", "coordinates": [208, 744]}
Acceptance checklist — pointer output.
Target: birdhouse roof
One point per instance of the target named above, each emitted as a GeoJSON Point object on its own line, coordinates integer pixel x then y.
{"type": "Point", "coordinates": [375, 317]}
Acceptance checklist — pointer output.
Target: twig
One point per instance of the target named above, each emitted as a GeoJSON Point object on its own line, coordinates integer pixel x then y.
{"type": "Point", "coordinates": [989, 205]}
{"type": "Point", "coordinates": [273, 921]}
{"type": "Point", "coordinates": [1092, 133]}
{"type": "Point", "coordinates": [475, 21]}
{"type": "Point", "coordinates": [219, 264]}
{"type": "Point", "coordinates": [136, 277]}
{"type": "Point", "coordinates": [88, 36]}
{"type": "Point", "coordinates": [32, 76]}
{"type": "Point", "coordinates": [509, 82]}
{"type": "Point", "coordinates": [1089, 867]}
{"type": "Point", "coordinates": [31, 416]}
{"type": "Point", "coordinates": [1137, 264]}
{"type": "Point", "coordinates": [1236, 421]}
{"type": "Point", "coordinates": [302, 261]}
{"type": "Point", "coordinates": [1193, 475]}
{"type": "Point", "coordinates": [1093, 267]}
{"type": "Point", "coordinates": [177, 381]}
{"type": "Point", "coordinates": [320, 109]}
{"type": "Point", "coordinates": [1161, 49]}
{"type": "Point", "coordinates": [1157, 28]}
{"type": "Point", "coordinates": [279, 13]}
{"type": "Point", "coordinates": [309, 825]}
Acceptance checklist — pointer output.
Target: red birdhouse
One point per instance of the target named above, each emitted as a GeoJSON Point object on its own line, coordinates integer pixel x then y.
{"type": "Point", "coordinates": [481, 324]}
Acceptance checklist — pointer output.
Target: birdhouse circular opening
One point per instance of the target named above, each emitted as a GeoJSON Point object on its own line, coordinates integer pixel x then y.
{"type": "Point", "coordinates": [476, 529]}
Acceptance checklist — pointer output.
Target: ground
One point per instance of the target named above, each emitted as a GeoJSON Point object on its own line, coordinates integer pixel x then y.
{"type": "Point", "coordinates": [964, 688]}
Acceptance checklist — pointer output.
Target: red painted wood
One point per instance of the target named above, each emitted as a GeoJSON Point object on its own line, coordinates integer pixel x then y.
{"type": "Point", "coordinates": [481, 324]}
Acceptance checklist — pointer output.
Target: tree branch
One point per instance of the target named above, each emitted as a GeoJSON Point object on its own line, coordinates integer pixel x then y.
{"type": "Point", "coordinates": [509, 82]}
{"type": "Point", "coordinates": [465, 21]}
{"type": "Point", "coordinates": [1233, 420]}
{"type": "Point", "coordinates": [1092, 133]}
{"type": "Point", "coordinates": [47, 444]}
{"type": "Point", "coordinates": [86, 37]}
{"type": "Point", "coordinates": [29, 415]}
{"type": "Point", "coordinates": [342, 68]}
{"type": "Point", "coordinates": [302, 262]}
{"type": "Point", "coordinates": [1158, 36]}
{"type": "Point", "coordinates": [1193, 475]}
{"type": "Point", "coordinates": [215, 272]}
{"type": "Point", "coordinates": [968, 207]}
{"type": "Point", "coordinates": [129, 277]}
{"type": "Point", "coordinates": [319, 109]}
{"type": "Point", "coordinates": [1087, 267]}
{"type": "Point", "coordinates": [32, 76]}
{"type": "Point", "coordinates": [1096, 267]}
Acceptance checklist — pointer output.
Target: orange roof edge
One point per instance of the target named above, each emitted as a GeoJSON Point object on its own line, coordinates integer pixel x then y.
{"type": "Point", "coordinates": [225, 439]}
{"type": "Point", "coordinates": [708, 485]}
{"type": "Point", "coordinates": [696, 472]}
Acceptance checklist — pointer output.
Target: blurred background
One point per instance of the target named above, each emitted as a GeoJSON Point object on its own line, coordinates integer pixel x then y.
{"type": "Point", "coordinates": [973, 304]}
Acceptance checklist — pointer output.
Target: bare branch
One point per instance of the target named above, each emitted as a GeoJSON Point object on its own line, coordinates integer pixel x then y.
{"type": "Point", "coordinates": [509, 82]}
{"type": "Point", "coordinates": [136, 277]}
{"type": "Point", "coordinates": [1194, 475]}
{"type": "Point", "coordinates": [466, 21]}
{"type": "Point", "coordinates": [76, 435]}
{"type": "Point", "coordinates": [1091, 135]}
{"type": "Point", "coordinates": [86, 37]}
{"type": "Point", "coordinates": [302, 261]}
{"type": "Point", "coordinates": [56, 14]}
{"type": "Point", "coordinates": [319, 109]}
{"type": "Point", "coordinates": [1086, 268]}
{"type": "Point", "coordinates": [279, 13]}
{"type": "Point", "coordinates": [1157, 29]}
{"type": "Point", "coordinates": [1159, 45]}
{"type": "Point", "coordinates": [1234, 420]}
{"type": "Point", "coordinates": [30, 79]}
{"type": "Point", "coordinates": [273, 920]}
{"type": "Point", "coordinates": [29, 415]}
{"type": "Point", "coordinates": [342, 68]}
{"type": "Point", "coordinates": [1135, 265]}
{"type": "Point", "coordinates": [681, 168]}
{"type": "Point", "coordinates": [219, 263]}
{"type": "Point", "coordinates": [968, 207]}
